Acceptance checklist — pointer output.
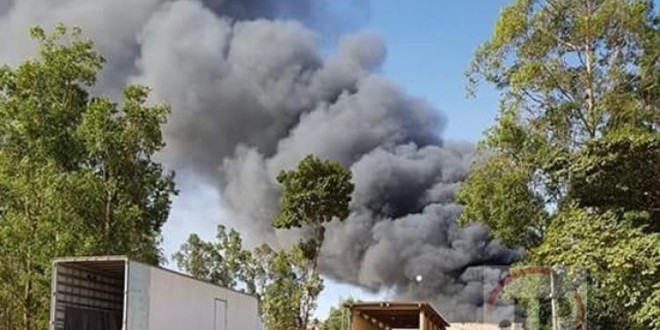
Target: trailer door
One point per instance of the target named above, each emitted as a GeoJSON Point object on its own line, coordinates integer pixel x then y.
{"type": "Point", "coordinates": [220, 314]}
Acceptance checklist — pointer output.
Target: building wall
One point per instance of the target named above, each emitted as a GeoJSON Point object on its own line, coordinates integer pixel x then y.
{"type": "Point", "coordinates": [178, 302]}
{"type": "Point", "coordinates": [184, 303]}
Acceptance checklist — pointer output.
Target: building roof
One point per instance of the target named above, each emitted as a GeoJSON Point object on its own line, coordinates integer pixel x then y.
{"type": "Point", "coordinates": [474, 326]}
{"type": "Point", "coordinates": [482, 326]}
{"type": "Point", "coordinates": [115, 265]}
{"type": "Point", "coordinates": [398, 314]}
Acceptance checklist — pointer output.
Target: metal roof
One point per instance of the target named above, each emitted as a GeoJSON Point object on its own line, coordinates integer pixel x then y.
{"type": "Point", "coordinates": [398, 314]}
{"type": "Point", "coordinates": [112, 265]}
{"type": "Point", "coordinates": [115, 266]}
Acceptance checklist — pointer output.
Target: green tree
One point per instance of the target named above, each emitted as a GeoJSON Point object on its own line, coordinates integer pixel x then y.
{"type": "Point", "coordinates": [620, 258]}
{"type": "Point", "coordinates": [314, 193]}
{"type": "Point", "coordinates": [287, 282]}
{"type": "Point", "coordinates": [623, 168]}
{"type": "Point", "coordinates": [574, 151]}
{"type": "Point", "coordinates": [339, 316]}
{"type": "Point", "coordinates": [219, 262]}
{"type": "Point", "coordinates": [290, 291]}
{"type": "Point", "coordinates": [498, 194]}
{"type": "Point", "coordinates": [76, 172]}
{"type": "Point", "coordinates": [279, 279]}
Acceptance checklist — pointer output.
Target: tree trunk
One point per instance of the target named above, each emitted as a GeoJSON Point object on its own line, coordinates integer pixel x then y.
{"type": "Point", "coordinates": [308, 299]}
{"type": "Point", "coordinates": [107, 220]}
{"type": "Point", "coordinates": [107, 213]}
{"type": "Point", "coordinates": [588, 52]}
{"type": "Point", "coordinates": [27, 311]}
{"type": "Point", "coordinates": [27, 293]}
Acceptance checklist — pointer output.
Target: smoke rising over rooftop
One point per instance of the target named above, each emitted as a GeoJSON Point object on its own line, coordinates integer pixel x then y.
{"type": "Point", "coordinates": [252, 94]}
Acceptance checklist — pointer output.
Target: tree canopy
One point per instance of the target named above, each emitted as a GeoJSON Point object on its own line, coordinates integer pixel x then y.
{"type": "Point", "coordinates": [76, 172]}
{"type": "Point", "coordinates": [570, 168]}
{"type": "Point", "coordinates": [314, 193]}
{"type": "Point", "coordinates": [286, 281]}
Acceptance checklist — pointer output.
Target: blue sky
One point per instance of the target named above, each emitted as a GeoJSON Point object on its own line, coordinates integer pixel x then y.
{"type": "Point", "coordinates": [429, 46]}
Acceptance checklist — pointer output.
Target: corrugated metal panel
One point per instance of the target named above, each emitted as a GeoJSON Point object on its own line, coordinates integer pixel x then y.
{"type": "Point", "coordinates": [110, 265]}
{"type": "Point", "coordinates": [96, 285]}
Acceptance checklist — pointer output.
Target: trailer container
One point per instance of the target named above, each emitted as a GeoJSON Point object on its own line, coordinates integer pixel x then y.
{"type": "Point", "coordinates": [115, 293]}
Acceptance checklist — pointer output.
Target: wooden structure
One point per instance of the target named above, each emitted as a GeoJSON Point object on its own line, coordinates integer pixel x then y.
{"type": "Point", "coordinates": [395, 315]}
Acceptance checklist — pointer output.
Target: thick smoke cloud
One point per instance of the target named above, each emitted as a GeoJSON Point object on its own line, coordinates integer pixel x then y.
{"type": "Point", "coordinates": [252, 95]}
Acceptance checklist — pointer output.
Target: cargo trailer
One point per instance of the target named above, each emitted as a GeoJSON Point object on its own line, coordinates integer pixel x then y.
{"type": "Point", "coordinates": [116, 293]}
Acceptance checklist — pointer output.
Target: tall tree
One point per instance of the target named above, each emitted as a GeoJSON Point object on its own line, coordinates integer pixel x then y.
{"type": "Point", "coordinates": [287, 282]}
{"type": "Point", "coordinates": [218, 262]}
{"type": "Point", "coordinates": [290, 294]}
{"type": "Point", "coordinates": [574, 150]}
{"type": "Point", "coordinates": [314, 193]}
{"type": "Point", "coordinates": [76, 172]}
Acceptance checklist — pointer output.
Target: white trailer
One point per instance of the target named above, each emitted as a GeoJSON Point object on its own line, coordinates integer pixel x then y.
{"type": "Point", "coordinates": [115, 293]}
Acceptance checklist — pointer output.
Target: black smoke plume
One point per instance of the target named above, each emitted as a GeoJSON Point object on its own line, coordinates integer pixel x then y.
{"type": "Point", "coordinates": [252, 94]}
